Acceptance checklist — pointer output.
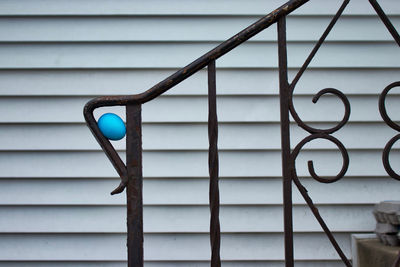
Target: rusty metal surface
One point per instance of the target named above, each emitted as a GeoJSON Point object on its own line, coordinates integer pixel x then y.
{"type": "Point", "coordinates": [174, 79]}
{"type": "Point", "coordinates": [322, 92]}
{"type": "Point", "coordinates": [285, 142]}
{"type": "Point", "coordinates": [131, 173]}
{"type": "Point", "coordinates": [215, 236]}
{"type": "Point", "coordinates": [393, 125]}
{"type": "Point", "coordinates": [386, 21]}
{"type": "Point", "coordinates": [316, 134]}
{"type": "Point", "coordinates": [382, 106]}
{"type": "Point", "coordinates": [382, 97]}
{"type": "Point", "coordinates": [134, 186]}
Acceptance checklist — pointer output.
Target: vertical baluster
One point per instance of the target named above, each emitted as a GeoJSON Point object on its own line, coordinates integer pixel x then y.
{"type": "Point", "coordinates": [134, 185]}
{"type": "Point", "coordinates": [215, 238]}
{"type": "Point", "coordinates": [285, 142]}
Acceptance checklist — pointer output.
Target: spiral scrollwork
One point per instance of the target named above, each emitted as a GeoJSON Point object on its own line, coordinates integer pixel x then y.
{"type": "Point", "coordinates": [393, 125]}
{"type": "Point", "coordinates": [315, 132]}
{"type": "Point", "coordinates": [311, 169]}
{"type": "Point", "coordinates": [322, 134]}
{"type": "Point", "coordinates": [315, 99]}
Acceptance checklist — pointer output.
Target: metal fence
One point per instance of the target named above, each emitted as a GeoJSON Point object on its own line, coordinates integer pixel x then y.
{"type": "Point", "coordinates": [131, 172]}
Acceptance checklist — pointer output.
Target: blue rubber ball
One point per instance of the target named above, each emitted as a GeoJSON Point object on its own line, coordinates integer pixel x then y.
{"type": "Point", "coordinates": [112, 126]}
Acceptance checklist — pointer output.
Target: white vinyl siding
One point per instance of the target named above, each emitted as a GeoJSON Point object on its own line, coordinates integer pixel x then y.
{"type": "Point", "coordinates": [55, 182]}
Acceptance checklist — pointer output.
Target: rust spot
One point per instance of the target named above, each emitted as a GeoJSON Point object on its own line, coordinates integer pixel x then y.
{"type": "Point", "coordinates": [135, 163]}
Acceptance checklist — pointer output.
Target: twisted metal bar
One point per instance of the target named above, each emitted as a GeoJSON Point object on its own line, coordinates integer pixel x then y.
{"type": "Point", "coordinates": [393, 125]}
{"type": "Point", "coordinates": [215, 238]}
{"type": "Point", "coordinates": [130, 174]}
{"type": "Point", "coordinates": [174, 79]}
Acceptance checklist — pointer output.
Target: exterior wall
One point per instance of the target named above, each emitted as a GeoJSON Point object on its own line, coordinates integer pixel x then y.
{"type": "Point", "coordinates": [55, 206]}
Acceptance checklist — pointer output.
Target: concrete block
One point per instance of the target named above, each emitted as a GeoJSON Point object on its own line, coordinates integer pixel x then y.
{"type": "Point", "coordinates": [387, 216]}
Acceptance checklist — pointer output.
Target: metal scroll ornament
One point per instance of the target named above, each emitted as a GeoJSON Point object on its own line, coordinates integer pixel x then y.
{"type": "Point", "coordinates": [316, 133]}
{"type": "Point", "coordinates": [326, 133]}
{"type": "Point", "coordinates": [321, 133]}
{"type": "Point", "coordinates": [393, 125]}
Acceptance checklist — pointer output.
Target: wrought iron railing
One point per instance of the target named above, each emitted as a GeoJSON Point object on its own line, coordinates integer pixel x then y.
{"type": "Point", "coordinates": [131, 172]}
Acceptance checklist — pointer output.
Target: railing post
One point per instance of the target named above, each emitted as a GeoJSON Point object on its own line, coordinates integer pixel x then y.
{"type": "Point", "coordinates": [285, 142]}
{"type": "Point", "coordinates": [215, 236]}
{"type": "Point", "coordinates": [135, 185]}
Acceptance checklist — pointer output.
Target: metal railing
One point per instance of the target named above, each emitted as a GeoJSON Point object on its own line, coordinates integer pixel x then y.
{"type": "Point", "coordinates": [131, 172]}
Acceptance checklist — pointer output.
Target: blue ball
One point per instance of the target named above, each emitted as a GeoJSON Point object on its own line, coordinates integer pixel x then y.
{"type": "Point", "coordinates": [112, 126]}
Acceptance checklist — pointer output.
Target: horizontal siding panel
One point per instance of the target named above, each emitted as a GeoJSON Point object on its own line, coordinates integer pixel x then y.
{"type": "Point", "coordinates": [232, 136]}
{"type": "Point", "coordinates": [189, 163]}
{"type": "Point", "coordinates": [55, 205]}
{"type": "Point", "coordinates": [229, 81]}
{"type": "Point", "coordinates": [62, 264]}
{"type": "Point", "coordinates": [175, 55]}
{"type": "Point", "coordinates": [157, 7]}
{"type": "Point", "coordinates": [134, 28]}
{"type": "Point", "coordinates": [194, 109]}
{"type": "Point", "coordinates": [182, 219]}
{"type": "Point", "coordinates": [193, 191]}
{"type": "Point", "coordinates": [165, 247]}
{"type": "Point", "coordinates": [57, 216]}
{"type": "Point", "coordinates": [250, 263]}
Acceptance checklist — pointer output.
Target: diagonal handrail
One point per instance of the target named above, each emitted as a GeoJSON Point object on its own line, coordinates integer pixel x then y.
{"type": "Point", "coordinates": [202, 61]}
{"type": "Point", "coordinates": [174, 79]}
{"type": "Point", "coordinates": [131, 172]}
{"type": "Point", "coordinates": [199, 63]}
